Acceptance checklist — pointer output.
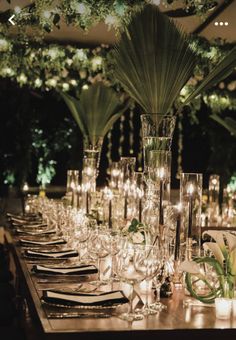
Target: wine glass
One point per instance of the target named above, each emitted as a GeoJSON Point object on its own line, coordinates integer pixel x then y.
{"type": "Point", "coordinates": [148, 259]}
{"type": "Point", "coordinates": [98, 251]}
{"type": "Point", "coordinates": [132, 268]}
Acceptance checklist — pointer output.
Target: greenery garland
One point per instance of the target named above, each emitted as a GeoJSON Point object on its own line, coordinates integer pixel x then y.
{"type": "Point", "coordinates": [45, 67]}
{"type": "Point", "coordinates": [45, 15]}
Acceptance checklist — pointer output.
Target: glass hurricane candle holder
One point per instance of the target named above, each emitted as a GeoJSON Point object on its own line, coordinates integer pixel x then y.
{"type": "Point", "coordinates": [191, 200]}
{"type": "Point", "coordinates": [223, 307]}
{"type": "Point", "coordinates": [157, 133]}
{"type": "Point", "coordinates": [213, 206]}
{"type": "Point", "coordinates": [71, 186]}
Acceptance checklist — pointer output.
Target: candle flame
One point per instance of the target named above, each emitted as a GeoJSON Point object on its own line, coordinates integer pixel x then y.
{"type": "Point", "coordinates": [179, 207]}
{"type": "Point", "coordinates": [161, 173]}
{"type": "Point", "coordinates": [190, 189]}
{"type": "Point", "coordinates": [72, 185]}
{"type": "Point", "coordinates": [25, 187]}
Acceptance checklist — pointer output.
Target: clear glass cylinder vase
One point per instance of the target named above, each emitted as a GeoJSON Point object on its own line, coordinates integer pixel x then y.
{"type": "Point", "coordinates": [157, 133]}
{"type": "Point", "coordinates": [191, 201]}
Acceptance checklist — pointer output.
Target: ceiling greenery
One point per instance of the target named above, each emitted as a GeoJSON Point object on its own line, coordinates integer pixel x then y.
{"type": "Point", "coordinates": [46, 15]}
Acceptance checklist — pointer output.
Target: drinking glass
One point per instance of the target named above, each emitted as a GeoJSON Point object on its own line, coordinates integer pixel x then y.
{"type": "Point", "coordinates": [129, 270]}
{"type": "Point", "coordinates": [213, 200]}
{"type": "Point", "coordinates": [148, 259]}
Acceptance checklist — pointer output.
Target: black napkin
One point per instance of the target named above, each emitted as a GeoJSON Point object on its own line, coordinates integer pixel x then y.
{"type": "Point", "coordinates": [84, 299]}
{"type": "Point", "coordinates": [51, 254]}
{"type": "Point", "coordinates": [43, 243]}
{"type": "Point", "coordinates": [65, 270]}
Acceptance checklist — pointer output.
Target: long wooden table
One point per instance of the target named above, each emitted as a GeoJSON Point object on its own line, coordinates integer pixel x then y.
{"type": "Point", "coordinates": [177, 322]}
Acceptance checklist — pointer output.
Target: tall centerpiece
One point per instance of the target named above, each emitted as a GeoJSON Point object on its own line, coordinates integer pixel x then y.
{"type": "Point", "coordinates": [96, 110]}
{"type": "Point", "coordinates": [154, 60]}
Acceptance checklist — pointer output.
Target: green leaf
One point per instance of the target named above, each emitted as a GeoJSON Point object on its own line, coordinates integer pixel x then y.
{"type": "Point", "coordinates": [96, 110]}
{"type": "Point", "coordinates": [220, 72]}
{"type": "Point", "coordinates": [56, 19]}
{"type": "Point", "coordinates": [153, 60]}
{"type": "Point", "coordinates": [213, 292]}
{"type": "Point", "coordinates": [228, 123]}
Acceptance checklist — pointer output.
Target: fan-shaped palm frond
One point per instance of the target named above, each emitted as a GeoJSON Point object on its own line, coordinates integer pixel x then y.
{"type": "Point", "coordinates": [228, 123]}
{"type": "Point", "coordinates": [221, 71]}
{"type": "Point", "coordinates": [153, 60]}
{"type": "Point", "coordinates": [96, 110]}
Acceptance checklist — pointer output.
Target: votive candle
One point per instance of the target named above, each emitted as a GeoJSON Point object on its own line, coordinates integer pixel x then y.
{"type": "Point", "coordinates": [223, 308]}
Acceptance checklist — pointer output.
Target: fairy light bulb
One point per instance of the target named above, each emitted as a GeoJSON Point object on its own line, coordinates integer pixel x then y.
{"type": "Point", "coordinates": [46, 14]}
{"type": "Point", "coordinates": [25, 187]}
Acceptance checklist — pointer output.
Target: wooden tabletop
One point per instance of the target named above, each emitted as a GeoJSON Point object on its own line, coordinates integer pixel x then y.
{"type": "Point", "coordinates": [176, 322]}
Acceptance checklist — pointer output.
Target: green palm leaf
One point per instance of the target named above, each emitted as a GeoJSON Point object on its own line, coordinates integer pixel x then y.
{"type": "Point", "coordinates": [228, 123]}
{"type": "Point", "coordinates": [153, 60]}
{"type": "Point", "coordinates": [219, 72]}
{"type": "Point", "coordinates": [96, 110]}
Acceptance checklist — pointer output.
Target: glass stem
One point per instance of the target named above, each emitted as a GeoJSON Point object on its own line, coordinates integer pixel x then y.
{"type": "Point", "coordinates": [99, 269]}
{"type": "Point", "coordinates": [146, 294]}
{"type": "Point", "coordinates": [130, 311]}
{"type": "Point", "coordinates": [158, 291]}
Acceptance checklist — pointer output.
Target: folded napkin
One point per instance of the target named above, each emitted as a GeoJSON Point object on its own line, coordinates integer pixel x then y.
{"type": "Point", "coordinates": [30, 225]}
{"type": "Point", "coordinates": [51, 254]}
{"type": "Point", "coordinates": [43, 243]}
{"type": "Point", "coordinates": [82, 299]}
{"type": "Point", "coordinates": [25, 220]}
{"type": "Point", "coordinates": [35, 233]}
{"type": "Point", "coordinates": [67, 270]}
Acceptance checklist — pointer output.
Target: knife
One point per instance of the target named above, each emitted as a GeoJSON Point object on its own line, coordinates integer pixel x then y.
{"type": "Point", "coordinates": [55, 315]}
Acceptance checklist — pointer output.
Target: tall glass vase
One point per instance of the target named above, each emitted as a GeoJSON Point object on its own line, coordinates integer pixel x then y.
{"type": "Point", "coordinates": [191, 201]}
{"type": "Point", "coordinates": [157, 133]}
{"type": "Point", "coordinates": [91, 160]}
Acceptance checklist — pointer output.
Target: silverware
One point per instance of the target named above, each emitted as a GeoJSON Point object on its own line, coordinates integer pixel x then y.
{"type": "Point", "coordinates": [56, 315]}
{"type": "Point", "coordinates": [44, 281]}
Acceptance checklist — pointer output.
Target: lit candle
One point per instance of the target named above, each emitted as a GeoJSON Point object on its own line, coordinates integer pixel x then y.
{"type": "Point", "coordinates": [223, 308]}
{"type": "Point", "coordinates": [87, 197]}
{"type": "Point", "coordinates": [177, 232]}
{"type": "Point", "coordinates": [140, 205]}
{"type": "Point", "coordinates": [79, 189]}
{"type": "Point", "coordinates": [190, 191]}
{"type": "Point", "coordinates": [234, 307]}
{"type": "Point", "coordinates": [126, 188]}
{"type": "Point", "coordinates": [110, 195]}
{"type": "Point", "coordinates": [161, 176]}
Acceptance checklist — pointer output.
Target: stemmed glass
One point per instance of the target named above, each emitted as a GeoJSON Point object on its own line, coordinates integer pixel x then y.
{"type": "Point", "coordinates": [82, 234]}
{"type": "Point", "coordinates": [158, 280]}
{"type": "Point", "coordinates": [149, 257]}
{"type": "Point", "coordinates": [112, 242]}
{"type": "Point", "coordinates": [98, 251]}
{"type": "Point", "coordinates": [134, 264]}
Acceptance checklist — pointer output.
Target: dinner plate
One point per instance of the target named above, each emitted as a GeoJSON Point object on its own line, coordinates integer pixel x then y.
{"type": "Point", "coordinates": [58, 305]}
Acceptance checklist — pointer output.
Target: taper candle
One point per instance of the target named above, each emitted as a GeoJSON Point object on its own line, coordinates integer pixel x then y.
{"type": "Point", "coordinates": [161, 175]}
{"type": "Point", "coordinates": [177, 233]}
{"type": "Point", "coordinates": [190, 212]}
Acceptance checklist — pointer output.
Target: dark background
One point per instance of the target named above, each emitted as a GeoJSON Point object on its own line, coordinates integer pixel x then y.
{"type": "Point", "coordinates": [207, 147]}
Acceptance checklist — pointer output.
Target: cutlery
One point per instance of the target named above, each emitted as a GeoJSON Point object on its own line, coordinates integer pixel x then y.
{"type": "Point", "coordinates": [197, 304]}
{"type": "Point", "coordinates": [56, 315]}
{"type": "Point", "coordinates": [44, 281]}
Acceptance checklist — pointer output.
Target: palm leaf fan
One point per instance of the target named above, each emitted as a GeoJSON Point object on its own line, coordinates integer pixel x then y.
{"type": "Point", "coordinates": [153, 60]}
{"type": "Point", "coordinates": [228, 123]}
{"type": "Point", "coordinates": [221, 71]}
{"type": "Point", "coordinates": [96, 111]}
